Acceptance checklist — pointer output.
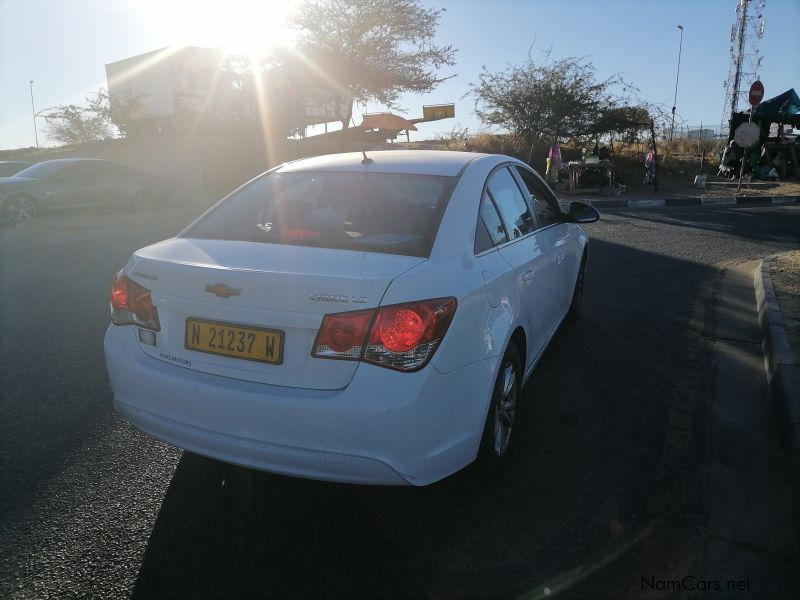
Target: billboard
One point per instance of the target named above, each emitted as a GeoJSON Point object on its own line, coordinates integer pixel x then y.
{"type": "Point", "coordinates": [434, 112]}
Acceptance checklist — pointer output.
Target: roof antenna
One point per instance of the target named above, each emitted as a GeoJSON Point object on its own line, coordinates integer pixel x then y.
{"type": "Point", "coordinates": [367, 160]}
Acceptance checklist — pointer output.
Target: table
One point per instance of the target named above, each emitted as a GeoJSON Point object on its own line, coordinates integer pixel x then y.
{"type": "Point", "coordinates": [576, 169]}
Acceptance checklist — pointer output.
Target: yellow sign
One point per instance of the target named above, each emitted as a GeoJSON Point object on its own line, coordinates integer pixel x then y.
{"type": "Point", "coordinates": [434, 112]}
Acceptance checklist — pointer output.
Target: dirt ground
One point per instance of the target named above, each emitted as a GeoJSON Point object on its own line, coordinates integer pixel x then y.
{"type": "Point", "coordinates": [676, 179]}
{"type": "Point", "coordinates": [785, 272]}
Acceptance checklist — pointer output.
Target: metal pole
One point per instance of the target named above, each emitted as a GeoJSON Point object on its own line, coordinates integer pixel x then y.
{"type": "Point", "coordinates": [33, 112]}
{"type": "Point", "coordinates": [702, 150]}
{"type": "Point", "coordinates": [744, 156]}
{"type": "Point", "coordinates": [655, 156]}
{"type": "Point", "coordinates": [677, 76]}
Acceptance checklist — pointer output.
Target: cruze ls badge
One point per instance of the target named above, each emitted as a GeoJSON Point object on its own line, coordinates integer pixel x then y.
{"type": "Point", "coordinates": [223, 291]}
{"type": "Point", "coordinates": [336, 298]}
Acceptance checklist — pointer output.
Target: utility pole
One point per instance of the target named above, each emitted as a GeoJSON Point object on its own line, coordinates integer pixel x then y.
{"type": "Point", "coordinates": [33, 112]}
{"type": "Point", "coordinates": [677, 76]}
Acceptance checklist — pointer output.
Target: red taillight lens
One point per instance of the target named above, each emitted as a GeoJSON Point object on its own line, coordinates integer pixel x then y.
{"type": "Point", "coordinates": [342, 335]}
{"type": "Point", "coordinates": [119, 294]}
{"type": "Point", "coordinates": [131, 304]}
{"type": "Point", "coordinates": [402, 336]}
{"type": "Point", "coordinates": [399, 329]}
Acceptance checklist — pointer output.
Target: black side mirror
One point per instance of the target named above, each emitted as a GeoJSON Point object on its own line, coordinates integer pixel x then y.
{"type": "Point", "coordinates": [582, 213]}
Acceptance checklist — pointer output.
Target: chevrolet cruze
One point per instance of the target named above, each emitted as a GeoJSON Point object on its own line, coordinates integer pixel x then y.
{"type": "Point", "coordinates": [364, 317]}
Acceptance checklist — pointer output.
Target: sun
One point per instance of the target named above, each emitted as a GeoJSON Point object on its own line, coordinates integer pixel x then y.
{"type": "Point", "coordinates": [246, 27]}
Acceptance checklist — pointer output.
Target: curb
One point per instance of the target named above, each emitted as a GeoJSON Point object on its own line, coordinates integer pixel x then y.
{"type": "Point", "coordinates": [783, 374]}
{"type": "Point", "coordinates": [694, 201]}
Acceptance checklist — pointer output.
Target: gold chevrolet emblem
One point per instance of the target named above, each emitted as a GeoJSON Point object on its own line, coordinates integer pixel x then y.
{"type": "Point", "coordinates": [222, 290]}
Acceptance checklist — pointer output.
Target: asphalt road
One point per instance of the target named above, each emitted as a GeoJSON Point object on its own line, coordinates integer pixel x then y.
{"type": "Point", "coordinates": [608, 484]}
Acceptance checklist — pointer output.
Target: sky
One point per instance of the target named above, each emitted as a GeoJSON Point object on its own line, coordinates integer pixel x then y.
{"type": "Point", "coordinates": [63, 46]}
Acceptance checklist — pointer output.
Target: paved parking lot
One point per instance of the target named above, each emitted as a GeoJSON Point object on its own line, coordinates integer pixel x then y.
{"type": "Point", "coordinates": [608, 492]}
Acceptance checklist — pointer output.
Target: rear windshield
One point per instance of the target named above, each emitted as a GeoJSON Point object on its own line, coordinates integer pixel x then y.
{"type": "Point", "coordinates": [375, 212]}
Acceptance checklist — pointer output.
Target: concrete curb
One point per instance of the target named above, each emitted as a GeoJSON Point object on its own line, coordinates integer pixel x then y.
{"type": "Point", "coordinates": [783, 374]}
{"type": "Point", "coordinates": [692, 201]}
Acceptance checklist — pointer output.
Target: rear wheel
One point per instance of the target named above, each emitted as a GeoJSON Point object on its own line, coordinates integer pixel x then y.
{"type": "Point", "coordinates": [20, 209]}
{"type": "Point", "coordinates": [496, 440]}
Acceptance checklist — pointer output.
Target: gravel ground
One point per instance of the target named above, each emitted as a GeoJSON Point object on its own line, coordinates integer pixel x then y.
{"type": "Point", "coordinates": [785, 273]}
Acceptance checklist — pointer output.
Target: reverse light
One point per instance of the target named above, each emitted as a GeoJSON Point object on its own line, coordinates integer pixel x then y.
{"type": "Point", "coordinates": [131, 304]}
{"type": "Point", "coordinates": [401, 336]}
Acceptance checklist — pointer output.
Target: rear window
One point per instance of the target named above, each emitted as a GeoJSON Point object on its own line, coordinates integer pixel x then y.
{"type": "Point", "coordinates": [43, 170]}
{"type": "Point", "coordinates": [375, 212]}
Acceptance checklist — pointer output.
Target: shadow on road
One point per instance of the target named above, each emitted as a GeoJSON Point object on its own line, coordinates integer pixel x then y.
{"type": "Point", "coordinates": [772, 223]}
{"type": "Point", "coordinates": [611, 444]}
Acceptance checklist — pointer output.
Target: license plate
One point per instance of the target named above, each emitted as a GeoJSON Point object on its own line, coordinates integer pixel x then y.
{"type": "Point", "coordinates": [235, 341]}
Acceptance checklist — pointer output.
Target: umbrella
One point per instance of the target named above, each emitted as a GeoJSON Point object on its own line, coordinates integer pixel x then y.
{"type": "Point", "coordinates": [387, 121]}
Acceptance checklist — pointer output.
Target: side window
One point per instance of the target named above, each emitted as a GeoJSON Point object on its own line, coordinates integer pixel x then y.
{"type": "Point", "coordinates": [490, 231]}
{"type": "Point", "coordinates": [511, 203]}
{"type": "Point", "coordinates": [85, 170]}
{"type": "Point", "coordinates": [544, 204]}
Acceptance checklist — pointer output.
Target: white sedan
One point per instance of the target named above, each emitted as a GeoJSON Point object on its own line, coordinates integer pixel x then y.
{"type": "Point", "coordinates": [364, 317]}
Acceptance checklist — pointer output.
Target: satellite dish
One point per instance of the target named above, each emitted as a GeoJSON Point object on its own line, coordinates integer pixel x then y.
{"type": "Point", "coordinates": [747, 134]}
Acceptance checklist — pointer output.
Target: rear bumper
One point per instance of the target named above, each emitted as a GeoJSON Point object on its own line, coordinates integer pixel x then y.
{"type": "Point", "coordinates": [384, 428]}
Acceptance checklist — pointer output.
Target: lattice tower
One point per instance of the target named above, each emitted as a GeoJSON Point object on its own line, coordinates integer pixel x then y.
{"type": "Point", "coordinates": [745, 57]}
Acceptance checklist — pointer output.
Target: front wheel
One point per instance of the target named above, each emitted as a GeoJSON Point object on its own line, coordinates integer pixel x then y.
{"type": "Point", "coordinates": [144, 201]}
{"type": "Point", "coordinates": [496, 441]}
{"type": "Point", "coordinates": [575, 306]}
{"type": "Point", "coordinates": [20, 209]}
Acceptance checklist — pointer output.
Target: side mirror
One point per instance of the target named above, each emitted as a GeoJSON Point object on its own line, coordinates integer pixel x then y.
{"type": "Point", "coordinates": [582, 213]}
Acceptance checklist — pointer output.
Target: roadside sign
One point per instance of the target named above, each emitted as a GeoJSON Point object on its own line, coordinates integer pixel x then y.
{"type": "Point", "coordinates": [434, 112]}
{"type": "Point", "coordinates": [756, 93]}
{"type": "Point", "coordinates": [747, 134]}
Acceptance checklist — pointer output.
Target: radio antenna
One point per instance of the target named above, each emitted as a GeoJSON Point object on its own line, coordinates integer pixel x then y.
{"type": "Point", "coordinates": [367, 160]}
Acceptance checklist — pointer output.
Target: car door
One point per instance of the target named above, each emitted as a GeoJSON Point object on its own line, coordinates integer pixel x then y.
{"type": "Point", "coordinates": [68, 187]}
{"type": "Point", "coordinates": [558, 235]}
{"type": "Point", "coordinates": [101, 181]}
{"type": "Point", "coordinates": [529, 255]}
{"type": "Point", "coordinates": [119, 184]}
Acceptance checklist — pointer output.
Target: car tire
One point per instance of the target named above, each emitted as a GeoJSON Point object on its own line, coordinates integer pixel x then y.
{"type": "Point", "coordinates": [496, 442]}
{"type": "Point", "coordinates": [144, 201]}
{"type": "Point", "coordinates": [575, 305]}
{"type": "Point", "coordinates": [20, 209]}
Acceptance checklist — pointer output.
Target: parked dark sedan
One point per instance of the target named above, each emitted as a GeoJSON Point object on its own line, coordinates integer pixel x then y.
{"type": "Point", "coordinates": [78, 183]}
{"type": "Point", "coordinates": [12, 167]}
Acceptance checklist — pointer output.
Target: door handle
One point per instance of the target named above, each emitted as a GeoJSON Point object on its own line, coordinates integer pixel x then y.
{"type": "Point", "coordinates": [560, 257]}
{"type": "Point", "coordinates": [528, 276]}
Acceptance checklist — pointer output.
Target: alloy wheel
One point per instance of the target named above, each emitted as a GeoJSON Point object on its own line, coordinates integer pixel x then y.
{"type": "Point", "coordinates": [505, 410]}
{"type": "Point", "coordinates": [20, 210]}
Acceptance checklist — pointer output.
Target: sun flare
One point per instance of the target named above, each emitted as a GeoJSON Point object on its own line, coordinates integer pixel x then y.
{"type": "Point", "coordinates": [248, 27]}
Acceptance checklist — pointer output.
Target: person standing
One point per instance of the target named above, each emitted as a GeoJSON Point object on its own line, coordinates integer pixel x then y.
{"type": "Point", "coordinates": [553, 165]}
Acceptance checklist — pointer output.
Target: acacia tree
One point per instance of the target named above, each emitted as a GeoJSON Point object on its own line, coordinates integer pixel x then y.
{"type": "Point", "coordinates": [370, 49]}
{"type": "Point", "coordinates": [539, 102]}
{"type": "Point", "coordinates": [97, 120]}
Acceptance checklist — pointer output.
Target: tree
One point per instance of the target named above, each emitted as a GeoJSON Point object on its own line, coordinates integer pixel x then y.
{"type": "Point", "coordinates": [562, 98]}
{"type": "Point", "coordinates": [370, 49]}
{"type": "Point", "coordinates": [76, 124]}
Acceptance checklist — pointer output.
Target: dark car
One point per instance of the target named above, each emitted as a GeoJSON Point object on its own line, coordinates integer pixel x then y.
{"type": "Point", "coordinates": [78, 183]}
{"type": "Point", "coordinates": [12, 167]}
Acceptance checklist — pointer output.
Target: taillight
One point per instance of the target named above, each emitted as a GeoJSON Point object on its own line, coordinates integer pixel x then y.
{"type": "Point", "coordinates": [342, 335]}
{"type": "Point", "coordinates": [402, 336]}
{"type": "Point", "coordinates": [131, 304]}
